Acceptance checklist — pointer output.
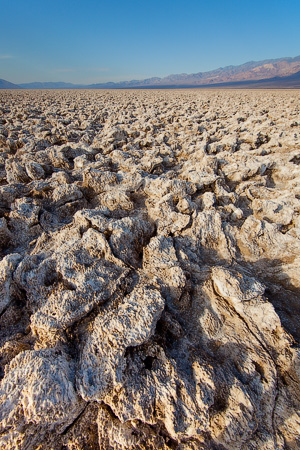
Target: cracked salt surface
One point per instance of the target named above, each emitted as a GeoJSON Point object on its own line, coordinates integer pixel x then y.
{"type": "Point", "coordinates": [149, 272]}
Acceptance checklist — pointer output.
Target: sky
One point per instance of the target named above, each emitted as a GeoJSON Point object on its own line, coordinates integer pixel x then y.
{"type": "Point", "coordinates": [114, 40]}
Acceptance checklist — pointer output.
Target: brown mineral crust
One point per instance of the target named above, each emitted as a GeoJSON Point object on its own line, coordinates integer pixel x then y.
{"type": "Point", "coordinates": [149, 270]}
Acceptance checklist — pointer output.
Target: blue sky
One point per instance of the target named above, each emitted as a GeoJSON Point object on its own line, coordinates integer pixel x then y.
{"type": "Point", "coordinates": [97, 41]}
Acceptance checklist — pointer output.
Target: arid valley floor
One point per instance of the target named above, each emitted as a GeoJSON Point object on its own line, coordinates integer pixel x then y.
{"type": "Point", "coordinates": [149, 270]}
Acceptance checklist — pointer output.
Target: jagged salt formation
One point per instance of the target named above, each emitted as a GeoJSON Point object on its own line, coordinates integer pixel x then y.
{"type": "Point", "coordinates": [149, 272]}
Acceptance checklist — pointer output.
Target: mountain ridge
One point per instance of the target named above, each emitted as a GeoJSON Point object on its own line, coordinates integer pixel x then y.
{"type": "Point", "coordinates": [274, 71]}
{"type": "Point", "coordinates": [4, 84]}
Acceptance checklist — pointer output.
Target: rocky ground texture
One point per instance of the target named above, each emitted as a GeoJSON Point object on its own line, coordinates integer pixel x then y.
{"type": "Point", "coordinates": [149, 272]}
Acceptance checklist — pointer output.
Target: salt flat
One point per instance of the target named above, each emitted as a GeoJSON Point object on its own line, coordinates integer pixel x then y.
{"type": "Point", "coordinates": [149, 272]}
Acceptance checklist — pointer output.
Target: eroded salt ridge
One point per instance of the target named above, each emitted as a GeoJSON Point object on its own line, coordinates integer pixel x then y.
{"type": "Point", "coordinates": [149, 273]}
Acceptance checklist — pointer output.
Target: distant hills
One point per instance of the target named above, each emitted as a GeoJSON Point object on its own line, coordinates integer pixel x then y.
{"type": "Point", "coordinates": [7, 85]}
{"type": "Point", "coordinates": [270, 73]}
{"type": "Point", "coordinates": [52, 85]}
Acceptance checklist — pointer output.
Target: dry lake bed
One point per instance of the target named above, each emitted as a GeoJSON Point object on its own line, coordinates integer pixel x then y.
{"type": "Point", "coordinates": [149, 270]}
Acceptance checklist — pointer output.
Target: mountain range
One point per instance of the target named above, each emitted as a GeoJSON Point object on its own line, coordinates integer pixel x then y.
{"type": "Point", "coordinates": [270, 73]}
{"type": "Point", "coordinates": [7, 85]}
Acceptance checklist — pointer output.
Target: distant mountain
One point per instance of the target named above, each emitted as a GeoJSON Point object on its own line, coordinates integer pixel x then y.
{"type": "Point", "coordinates": [7, 85]}
{"type": "Point", "coordinates": [276, 73]}
{"type": "Point", "coordinates": [50, 85]}
{"type": "Point", "coordinates": [251, 71]}
{"type": "Point", "coordinates": [289, 82]}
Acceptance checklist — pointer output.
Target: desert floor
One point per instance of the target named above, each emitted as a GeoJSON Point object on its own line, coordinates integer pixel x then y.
{"type": "Point", "coordinates": [149, 270]}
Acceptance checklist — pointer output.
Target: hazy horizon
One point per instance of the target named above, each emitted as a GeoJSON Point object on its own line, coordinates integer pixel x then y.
{"type": "Point", "coordinates": [119, 41]}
